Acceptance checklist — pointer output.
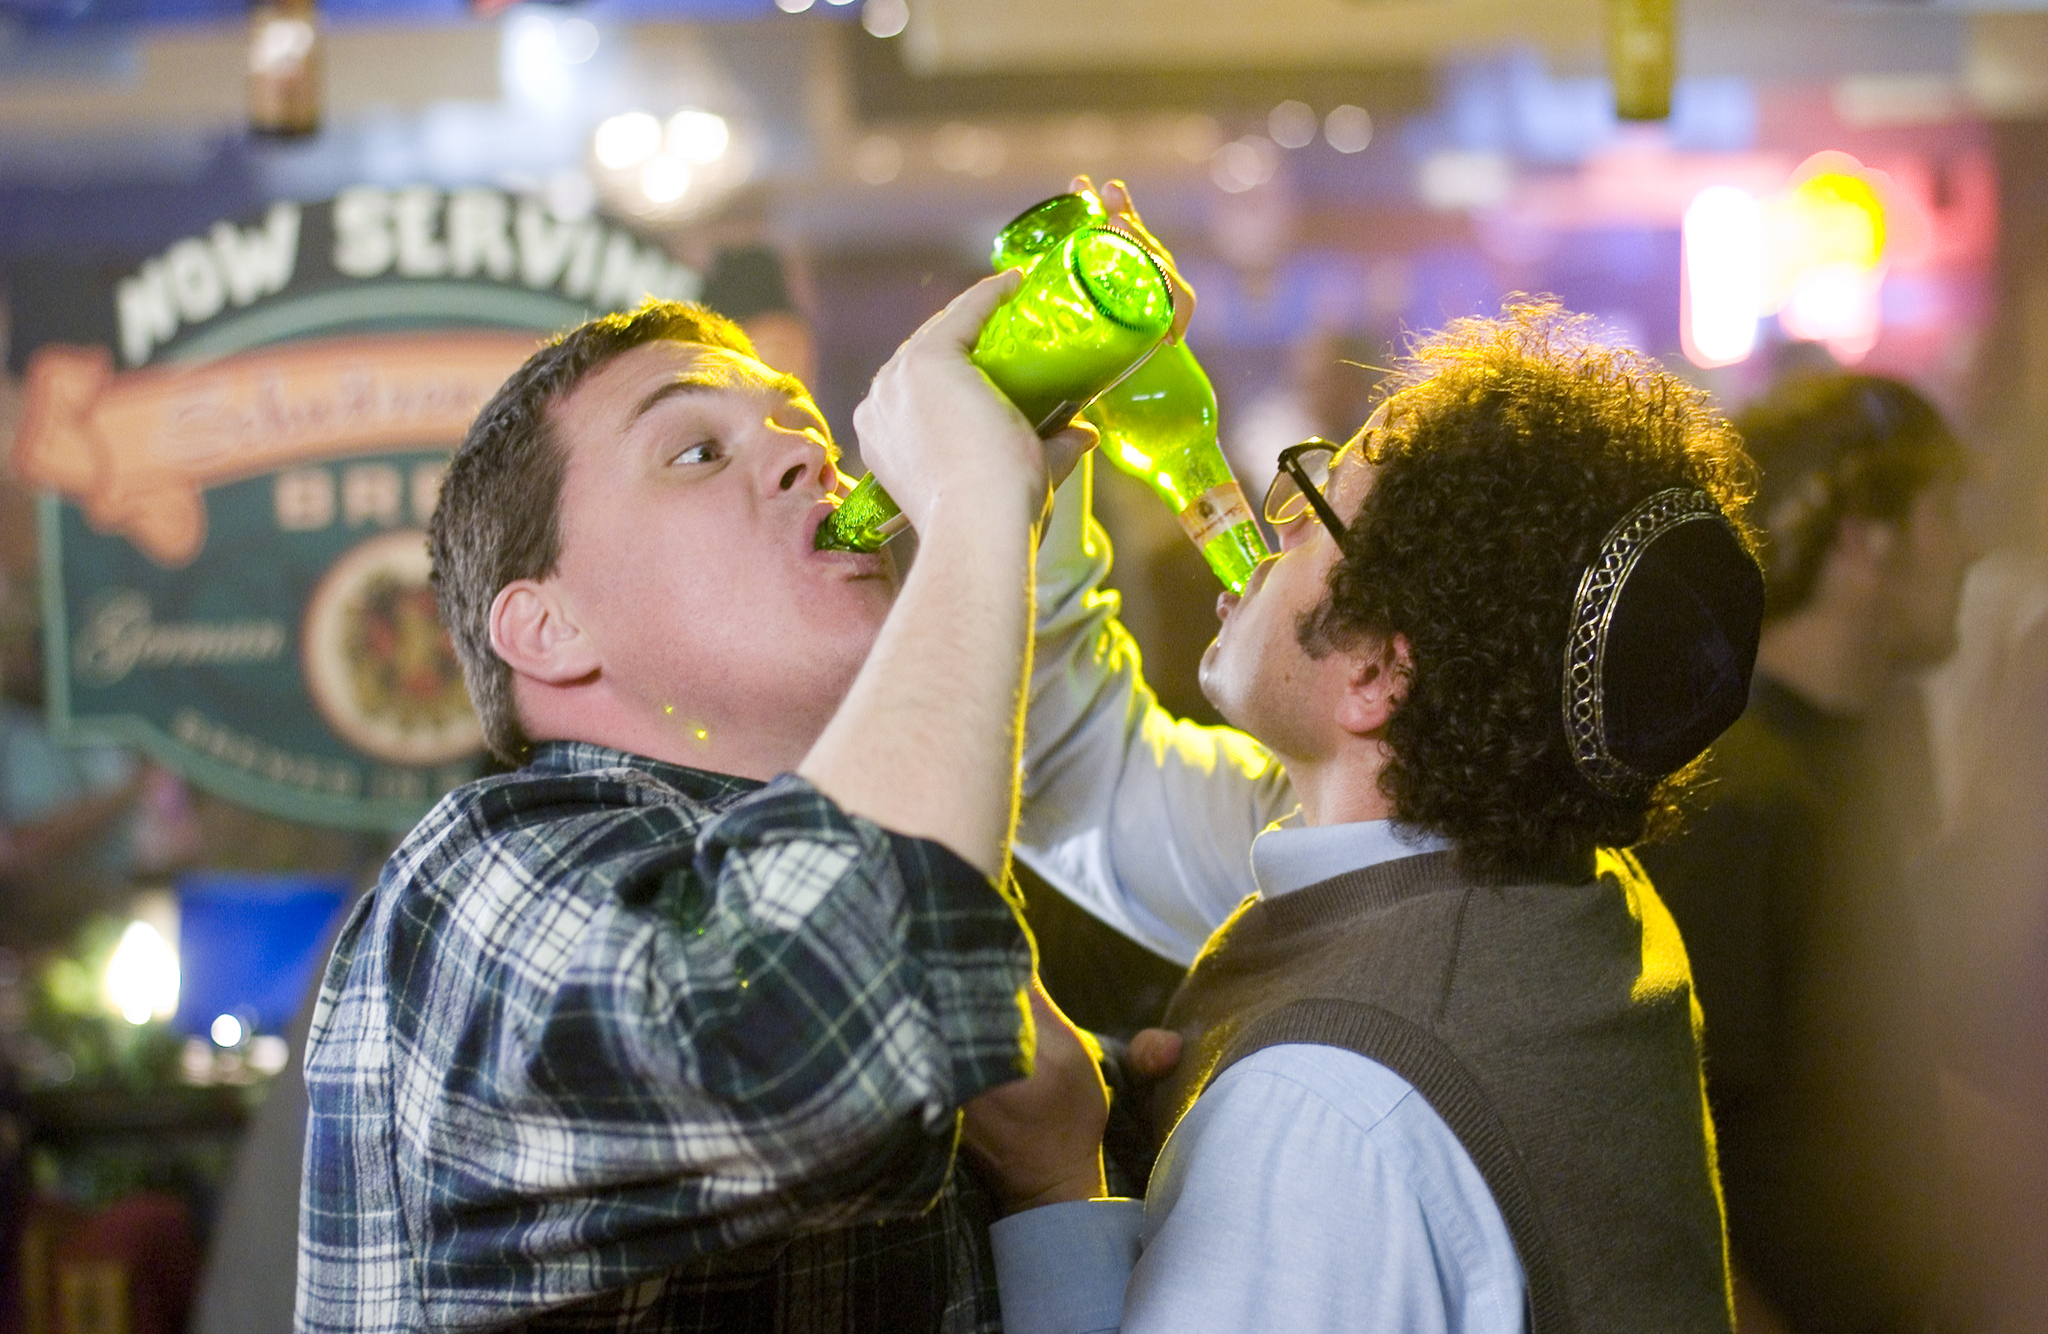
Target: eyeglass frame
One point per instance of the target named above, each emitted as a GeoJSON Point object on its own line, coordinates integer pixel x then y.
{"type": "Point", "coordinates": [1304, 486]}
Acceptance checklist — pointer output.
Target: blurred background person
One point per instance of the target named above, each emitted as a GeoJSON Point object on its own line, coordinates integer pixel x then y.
{"type": "Point", "coordinates": [1984, 924]}
{"type": "Point", "coordinates": [1790, 886]}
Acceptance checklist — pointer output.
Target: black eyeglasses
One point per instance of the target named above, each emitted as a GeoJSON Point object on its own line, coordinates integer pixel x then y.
{"type": "Point", "coordinates": [1298, 486]}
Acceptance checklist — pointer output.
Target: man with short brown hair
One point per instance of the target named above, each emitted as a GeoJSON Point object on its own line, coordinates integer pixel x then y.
{"type": "Point", "coordinates": [669, 1028]}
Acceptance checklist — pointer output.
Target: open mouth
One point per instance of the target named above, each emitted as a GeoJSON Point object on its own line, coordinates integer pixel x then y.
{"type": "Point", "coordinates": [815, 520]}
{"type": "Point", "coordinates": [859, 564]}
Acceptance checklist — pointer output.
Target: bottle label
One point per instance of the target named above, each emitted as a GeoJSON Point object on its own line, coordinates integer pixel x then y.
{"type": "Point", "coordinates": [1214, 513]}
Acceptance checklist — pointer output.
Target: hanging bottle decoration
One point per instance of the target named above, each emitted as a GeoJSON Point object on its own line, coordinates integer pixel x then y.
{"type": "Point", "coordinates": [1641, 57]}
{"type": "Point", "coordinates": [284, 68]}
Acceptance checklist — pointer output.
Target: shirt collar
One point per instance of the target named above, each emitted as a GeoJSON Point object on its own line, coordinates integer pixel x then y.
{"type": "Point", "coordinates": [572, 757]}
{"type": "Point", "coordinates": [1291, 855]}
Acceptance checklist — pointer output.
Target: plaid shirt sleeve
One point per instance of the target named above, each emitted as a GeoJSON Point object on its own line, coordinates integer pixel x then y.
{"type": "Point", "coordinates": [592, 1027]}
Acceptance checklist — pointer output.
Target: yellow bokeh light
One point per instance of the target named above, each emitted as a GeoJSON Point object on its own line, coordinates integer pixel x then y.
{"type": "Point", "coordinates": [1830, 220]}
{"type": "Point", "coordinates": [1843, 219]}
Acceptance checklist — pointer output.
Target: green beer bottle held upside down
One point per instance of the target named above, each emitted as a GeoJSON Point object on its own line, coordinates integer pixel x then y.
{"type": "Point", "coordinates": [1159, 423]}
{"type": "Point", "coordinates": [1091, 308]}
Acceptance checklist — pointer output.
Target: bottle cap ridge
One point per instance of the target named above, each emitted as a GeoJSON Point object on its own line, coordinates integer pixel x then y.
{"type": "Point", "coordinates": [1122, 279]}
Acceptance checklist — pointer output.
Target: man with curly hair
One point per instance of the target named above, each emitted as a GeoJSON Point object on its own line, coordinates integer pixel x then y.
{"type": "Point", "coordinates": [1442, 1069]}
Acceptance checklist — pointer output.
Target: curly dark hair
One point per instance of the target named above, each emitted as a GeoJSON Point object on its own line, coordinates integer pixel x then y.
{"type": "Point", "coordinates": [499, 515]}
{"type": "Point", "coordinates": [1511, 447]}
{"type": "Point", "coordinates": [1830, 447]}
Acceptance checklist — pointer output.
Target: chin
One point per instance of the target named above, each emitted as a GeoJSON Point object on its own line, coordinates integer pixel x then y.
{"type": "Point", "coordinates": [1213, 683]}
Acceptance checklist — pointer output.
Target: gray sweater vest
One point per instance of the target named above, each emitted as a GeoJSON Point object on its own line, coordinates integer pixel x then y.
{"type": "Point", "coordinates": [1552, 1026]}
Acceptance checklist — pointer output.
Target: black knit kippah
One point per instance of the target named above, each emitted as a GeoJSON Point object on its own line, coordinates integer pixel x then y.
{"type": "Point", "coordinates": [1663, 641]}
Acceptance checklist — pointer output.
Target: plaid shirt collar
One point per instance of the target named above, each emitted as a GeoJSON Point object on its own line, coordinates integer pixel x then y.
{"type": "Point", "coordinates": [578, 757]}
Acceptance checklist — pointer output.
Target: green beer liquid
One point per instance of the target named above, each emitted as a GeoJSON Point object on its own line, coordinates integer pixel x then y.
{"type": "Point", "coordinates": [1090, 309]}
{"type": "Point", "coordinates": [1087, 313]}
{"type": "Point", "coordinates": [1159, 423]}
{"type": "Point", "coordinates": [1042, 226]}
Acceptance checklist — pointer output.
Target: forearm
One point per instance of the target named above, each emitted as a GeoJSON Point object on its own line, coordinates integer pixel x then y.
{"type": "Point", "coordinates": [1110, 778]}
{"type": "Point", "coordinates": [927, 740]}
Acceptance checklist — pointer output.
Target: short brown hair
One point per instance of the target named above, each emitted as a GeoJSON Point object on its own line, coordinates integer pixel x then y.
{"type": "Point", "coordinates": [499, 516]}
{"type": "Point", "coordinates": [1832, 447]}
{"type": "Point", "coordinates": [1516, 445]}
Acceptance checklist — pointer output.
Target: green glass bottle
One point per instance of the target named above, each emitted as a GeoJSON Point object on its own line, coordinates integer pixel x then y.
{"type": "Point", "coordinates": [1090, 310]}
{"type": "Point", "coordinates": [1159, 423]}
{"type": "Point", "coordinates": [1044, 225]}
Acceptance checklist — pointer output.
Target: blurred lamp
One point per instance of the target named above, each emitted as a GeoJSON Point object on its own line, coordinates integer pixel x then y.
{"type": "Point", "coordinates": [1292, 124]}
{"type": "Point", "coordinates": [142, 975]}
{"type": "Point", "coordinates": [1825, 245]}
{"type": "Point", "coordinates": [1243, 164]}
{"type": "Point", "coordinates": [698, 137]}
{"type": "Point", "coordinates": [885, 18]}
{"type": "Point", "coordinates": [538, 53]}
{"type": "Point", "coordinates": [226, 1031]}
{"type": "Point", "coordinates": [1348, 129]}
{"type": "Point", "coordinates": [625, 141]}
{"type": "Point", "coordinates": [664, 179]}
{"type": "Point", "coordinates": [668, 170]}
{"type": "Point", "coordinates": [576, 40]}
{"type": "Point", "coordinates": [1722, 292]}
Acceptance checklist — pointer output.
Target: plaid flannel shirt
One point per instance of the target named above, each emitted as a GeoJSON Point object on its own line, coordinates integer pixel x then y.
{"type": "Point", "coordinates": [606, 1019]}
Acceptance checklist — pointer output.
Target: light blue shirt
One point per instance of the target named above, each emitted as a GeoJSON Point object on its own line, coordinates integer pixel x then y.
{"type": "Point", "coordinates": [1309, 1188]}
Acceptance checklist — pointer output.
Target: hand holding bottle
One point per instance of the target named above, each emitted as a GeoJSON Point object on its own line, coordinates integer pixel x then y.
{"type": "Point", "coordinates": [1120, 212]}
{"type": "Point", "coordinates": [936, 432]}
{"type": "Point", "coordinates": [1094, 304]}
{"type": "Point", "coordinates": [1158, 424]}
{"type": "Point", "coordinates": [925, 741]}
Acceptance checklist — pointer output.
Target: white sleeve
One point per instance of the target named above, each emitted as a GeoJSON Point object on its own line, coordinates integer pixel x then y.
{"type": "Point", "coordinates": [1144, 820]}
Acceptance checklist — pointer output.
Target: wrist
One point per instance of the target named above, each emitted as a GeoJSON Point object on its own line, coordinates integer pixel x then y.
{"type": "Point", "coordinates": [1084, 1183]}
{"type": "Point", "coordinates": [981, 510]}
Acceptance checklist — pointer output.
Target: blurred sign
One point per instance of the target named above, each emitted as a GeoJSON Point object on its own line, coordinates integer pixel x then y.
{"type": "Point", "coordinates": [250, 945]}
{"type": "Point", "coordinates": [237, 488]}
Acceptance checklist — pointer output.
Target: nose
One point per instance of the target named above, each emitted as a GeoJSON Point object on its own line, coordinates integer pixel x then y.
{"type": "Point", "coordinates": [798, 460]}
{"type": "Point", "coordinates": [1296, 531]}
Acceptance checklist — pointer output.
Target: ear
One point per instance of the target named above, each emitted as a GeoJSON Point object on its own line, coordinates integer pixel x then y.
{"type": "Point", "coordinates": [532, 631]}
{"type": "Point", "coordinates": [1376, 682]}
